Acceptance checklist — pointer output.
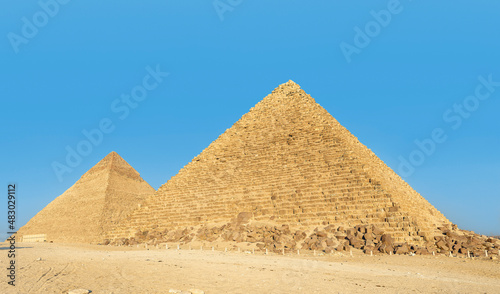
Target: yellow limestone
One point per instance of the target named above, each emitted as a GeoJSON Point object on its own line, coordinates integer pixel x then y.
{"type": "Point", "coordinates": [287, 160]}
{"type": "Point", "coordinates": [108, 192]}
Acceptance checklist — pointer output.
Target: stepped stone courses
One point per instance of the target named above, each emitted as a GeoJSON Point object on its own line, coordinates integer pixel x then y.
{"type": "Point", "coordinates": [287, 161]}
{"type": "Point", "coordinates": [96, 202]}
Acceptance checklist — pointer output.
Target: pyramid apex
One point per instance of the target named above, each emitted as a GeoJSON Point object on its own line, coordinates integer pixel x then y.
{"type": "Point", "coordinates": [110, 159]}
{"type": "Point", "coordinates": [289, 86]}
{"type": "Point", "coordinates": [114, 162]}
{"type": "Point", "coordinates": [112, 154]}
{"type": "Point", "coordinates": [286, 94]}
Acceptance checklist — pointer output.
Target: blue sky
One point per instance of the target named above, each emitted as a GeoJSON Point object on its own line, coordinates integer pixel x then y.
{"type": "Point", "coordinates": [63, 65]}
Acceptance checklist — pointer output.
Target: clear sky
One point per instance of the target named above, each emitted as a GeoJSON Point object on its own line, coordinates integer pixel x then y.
{"type": "Point", "coordinates": [391, 72]}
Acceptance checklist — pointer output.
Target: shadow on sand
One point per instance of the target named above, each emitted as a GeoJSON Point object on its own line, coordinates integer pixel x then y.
{"type": "Point", "coordinates": [7, 248]}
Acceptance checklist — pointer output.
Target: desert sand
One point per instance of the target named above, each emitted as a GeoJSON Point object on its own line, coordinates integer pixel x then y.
{"type": "Point", "coordinates": [58, 268]}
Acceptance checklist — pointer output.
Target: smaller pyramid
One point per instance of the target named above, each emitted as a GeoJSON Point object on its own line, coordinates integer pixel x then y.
{"type": "Point", "coordinates": [103, 196]}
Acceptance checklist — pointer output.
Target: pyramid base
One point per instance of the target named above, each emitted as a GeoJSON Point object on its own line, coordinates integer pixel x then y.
{"type": "Point", "coordinates": [270, 236]}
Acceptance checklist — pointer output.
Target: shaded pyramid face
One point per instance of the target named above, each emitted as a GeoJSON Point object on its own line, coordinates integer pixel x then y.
{"type": "Point", "coordinates": [108, 192]}
{"type": "Point", "coordinates": [288, 160]}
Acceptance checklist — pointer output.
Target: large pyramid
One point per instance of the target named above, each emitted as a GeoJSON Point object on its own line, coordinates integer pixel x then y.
{"type": "Point", "coordinates": [290, 162]}
{"type": "Point", "coordinates": [97, 201]}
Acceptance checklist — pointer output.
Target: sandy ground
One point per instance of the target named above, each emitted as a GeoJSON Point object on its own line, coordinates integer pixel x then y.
{"type": "Point", "coordinates": [106, 269]}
